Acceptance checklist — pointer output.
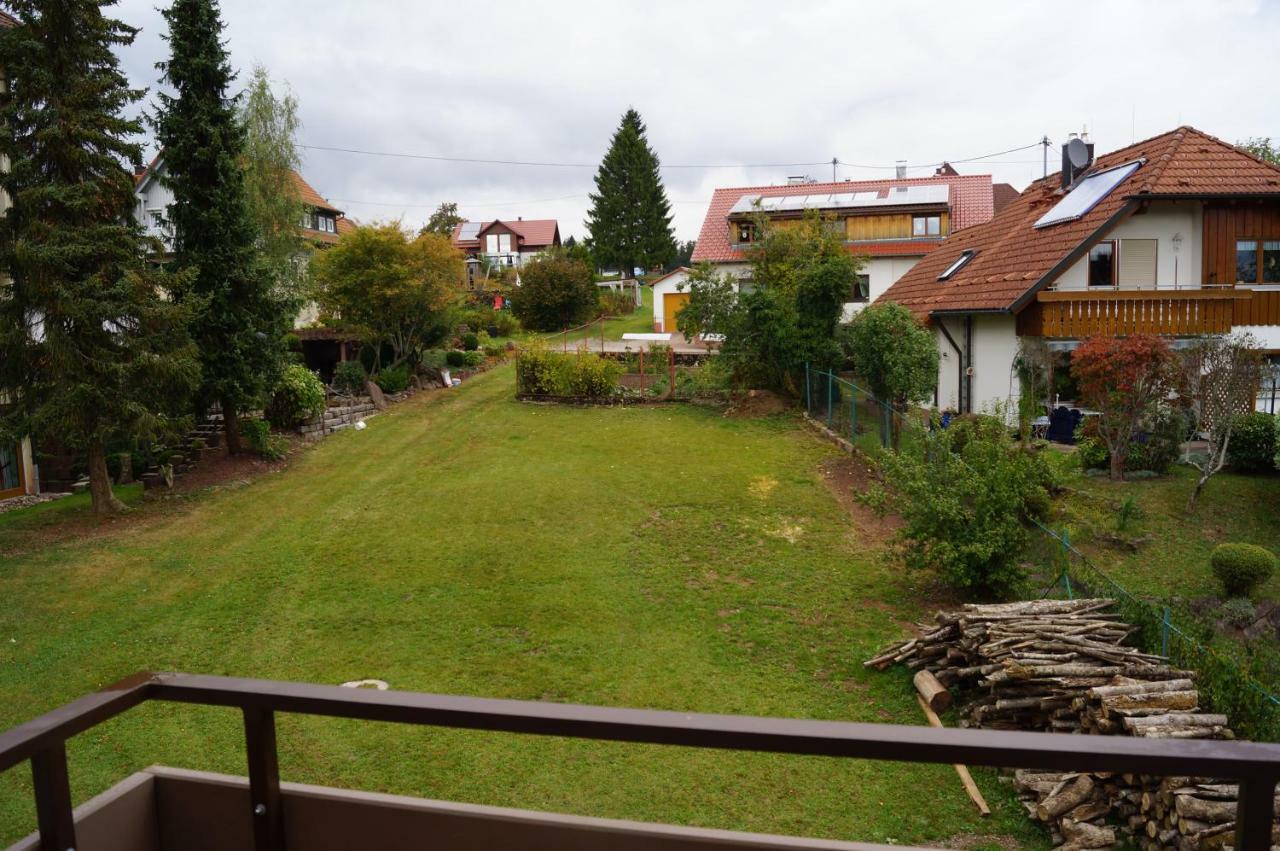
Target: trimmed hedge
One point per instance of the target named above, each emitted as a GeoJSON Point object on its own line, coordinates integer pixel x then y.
{"type": "Point", "coordinates": [1254, 438]}
{"type": "Point", "coordinates": [543, 373]}
{"type": "Point", "coordinates": [1241, 568]}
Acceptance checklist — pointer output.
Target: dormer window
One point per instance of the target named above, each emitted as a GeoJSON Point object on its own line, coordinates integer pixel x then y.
{"type": "Point", "coordinates": [744, 232]}
{"type": "Point", "coordinates": [958, 264]}
{"type": "Point", "coordinates": [926, 225]}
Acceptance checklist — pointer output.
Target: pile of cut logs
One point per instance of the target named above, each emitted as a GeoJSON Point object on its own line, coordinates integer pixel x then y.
{"type": "Point", "coordinates": [1062, 666]}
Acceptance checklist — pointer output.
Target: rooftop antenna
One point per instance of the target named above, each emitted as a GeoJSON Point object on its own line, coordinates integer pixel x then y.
{"type": "Point", "coordinates": [834, 163]}
{"type": "Point", "coordinates": [1044, 142]}
{"type": "Point", "coordinates": [1078, 152]}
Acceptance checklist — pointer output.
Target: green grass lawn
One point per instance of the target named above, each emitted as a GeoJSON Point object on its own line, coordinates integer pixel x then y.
{"type": "Point", "coordinates": [1172, 555]}
{"type": "Point", "coordinates": [664, 557]}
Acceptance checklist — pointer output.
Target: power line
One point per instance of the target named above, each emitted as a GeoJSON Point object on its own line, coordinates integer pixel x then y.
{"type": "Point", "coordinates": [476, 160]}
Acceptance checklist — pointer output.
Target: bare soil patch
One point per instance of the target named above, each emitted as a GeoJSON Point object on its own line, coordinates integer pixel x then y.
{"type": "Point", "coordinates": [849, 475]}
{"type": "Point", "coordinates": [758, 403]}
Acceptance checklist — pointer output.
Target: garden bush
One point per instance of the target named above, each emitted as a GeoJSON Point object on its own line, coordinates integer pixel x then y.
{"type": "Point", "coordinates": [1239, 612]}
{"type": "Point", "coordinates": [394, 380]}
{"type": "Point", "coordinates": [1241, 567]}
{"type": "Point", "coordinates": [556, 292]}
{"type": "Point", "coordinates": [1156, 449]}
{"type": "Point", "coordinates": [1253, 442]}
{"type": "Point", "coordinates": [495, 351]}
{"type": "Point", "coordinates": [455, 358]}
{"type": "Point", "coordinates": [298, 397]}
{"type": "Point", "coordinates": [431, 360]}
{"type": "Point", "coordinates": [472, 359]}
{"type": "Point", "coordinates": [349, 378]}
{"type": "Point", "coordinates": [258, 437]}
{"type": "Point", "coordinates": [546, 373]}
{"type": "Point", "coordinates": [470, 341]}
{"type": "Point", "coordinates": [966, 508]}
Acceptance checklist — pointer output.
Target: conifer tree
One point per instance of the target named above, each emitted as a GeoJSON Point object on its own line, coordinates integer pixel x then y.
{"type": "Point", "coordinates": [240, 322]}
{"type": "Point", "coordinates": [90, 351]}
{"type": "Point", "coordinates": [630, 218]}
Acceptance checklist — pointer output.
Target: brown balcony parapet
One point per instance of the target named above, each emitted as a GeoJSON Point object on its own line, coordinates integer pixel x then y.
{"type": "Point", "coordinates": [42, 741]}
{"type": "Point", "coordinates": [1176, 312]}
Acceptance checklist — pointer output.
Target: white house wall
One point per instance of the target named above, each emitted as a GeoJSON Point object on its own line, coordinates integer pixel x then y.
{"type": "Point", "coordinates": [677, 282]}
{"type": "Point", "coordinates": [1179, 266]}
{"type": "Point", "coordinates": [993, 383]}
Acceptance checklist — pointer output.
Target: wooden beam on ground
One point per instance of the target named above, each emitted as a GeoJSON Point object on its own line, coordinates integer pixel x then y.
{"type": "Point", "coordinates": [965, 777]}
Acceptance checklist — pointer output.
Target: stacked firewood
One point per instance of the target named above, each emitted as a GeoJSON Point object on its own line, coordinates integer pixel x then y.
{"type": "Point", "coordinates": [1062, 666]}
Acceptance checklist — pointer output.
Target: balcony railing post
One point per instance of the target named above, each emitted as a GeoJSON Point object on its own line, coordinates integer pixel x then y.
{"type": "Point", "coordinates": [53, 799]}
{"type": "Point", "coordinates": [1254, 815]}
{"type": "Point", "coordinates": [264, 779]}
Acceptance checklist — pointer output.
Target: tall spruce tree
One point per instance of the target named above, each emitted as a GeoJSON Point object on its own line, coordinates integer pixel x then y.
{"type": "Point", "coordinates": [630, 218]}
{"type": "Point", "coordinates": [241, 320]}
{"type": "Point", "coordinates": [91, 353]}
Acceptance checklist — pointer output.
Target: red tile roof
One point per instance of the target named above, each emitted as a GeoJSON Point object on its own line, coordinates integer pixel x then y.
{"type": "Point", "coordinates": [1014, 257]}
{"type": "Point", "coordinates": [534, 233]}
{"type": "Point", "coordinates": [310, 196]}
{"type": "Point", "coordinates": [970, 201]}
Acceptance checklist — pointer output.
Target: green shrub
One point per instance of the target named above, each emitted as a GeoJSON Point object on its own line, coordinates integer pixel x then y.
{"type": "Point", "coordinates": [298, 397]}
{"type": "Point", "coordinates": [472, 359]}
{"type": "Point", "coordinates": [1242, 567]}
{"type": "Point", "coordinates": [545, 373]}
{"type": "Point", "coordinates": [556, 292]}
{"type": "Point", "coordinates": [393, 380]}
{"type": "Point", "coordinates": [495, 351]}
{"type": "Point", "coordinates": [1092, 453]}
{"type": "Point", "coordinates": [454, 358]}
{"type": "Point", "coordinates": [432, 359]}
{"type": "Point", "coordinates": [349, 378]}
{"type": "Point", "coordinates": [965, 511]}
{"type": "Point", "coordinates": [967, 428]}
{"type": "Point", "coordinates": [258, 437]}
{"type": "Point", "coordinates": [1239, 612]}
{"type": "Point", "coordinates": [1254, 438]}
{"type": "Point", "coordinates": [505, 323]}
{"type": "Point", "coordinates": [470, 341]}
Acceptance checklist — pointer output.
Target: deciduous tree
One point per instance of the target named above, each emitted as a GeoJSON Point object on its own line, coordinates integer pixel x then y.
{"type": "Point", "coordinates": [238, 322]}
{"type": "Point", "coordinates": [556, 292]}
{"type": "Point", "coordinates": [894, 354]}
{"type": "Point", "coordinates": [90, 350]}
{"type": "Point", "coordinates": [389, 288]}
{"type": "Point", "coordinates": [1125, 379]}
{"type": "Point", "coordinates": [630, 217]}
{"type": "Point", "coordinates": [273, 200]}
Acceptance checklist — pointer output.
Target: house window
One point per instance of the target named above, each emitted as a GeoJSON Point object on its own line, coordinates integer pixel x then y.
{"type": "Point", "coordinates": [744, 232]}
{"type": "Point", "coordinates": [1257, 261]}
{"type": "Point", "coordinates": [860, 290]}
{"type": "Point", "coordinates": [926, 225]}
{"type": "Point", "coordinates": [1246, 261]}
{"type": "Point", "coordinates": [1271, 262]}
{"type": "Point", "coordinates": [1102, 265]}
{"type": "Point", "coordinates": [325, 223]}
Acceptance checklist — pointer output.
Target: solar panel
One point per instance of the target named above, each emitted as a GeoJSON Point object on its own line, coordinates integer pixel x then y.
{"type": "Point", "coordinates": [1087, 194]}
{"type": "Point", "coordinates": [469, 230]}
{"type": "Point", "coordinates": [900, 195]}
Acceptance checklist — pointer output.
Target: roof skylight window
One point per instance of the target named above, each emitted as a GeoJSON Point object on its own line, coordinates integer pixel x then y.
{"type": "Point", "coordinates": [965, 257]}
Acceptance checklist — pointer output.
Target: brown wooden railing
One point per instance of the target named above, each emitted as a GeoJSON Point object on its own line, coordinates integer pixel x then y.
{"type": "Point", "coordinates": [1082, 313]}
{"type": "Point", "coordinates": [43, 742]}
{"type": "Point", "coordinates": [1262, 309]}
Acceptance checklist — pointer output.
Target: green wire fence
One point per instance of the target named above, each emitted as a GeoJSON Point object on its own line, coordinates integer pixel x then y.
{"type": "Point", "coordinates": [856, 415]}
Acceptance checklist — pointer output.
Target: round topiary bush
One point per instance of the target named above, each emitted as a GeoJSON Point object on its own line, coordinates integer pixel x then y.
{"type": "Point", "coordinates": [297, 398]}
{"type": "Point", "coordinates": [1242, 567]}
{"type": "Point", "coordinates": [455, 358]}
{"type": "Point", "coordinates": [470, 341]}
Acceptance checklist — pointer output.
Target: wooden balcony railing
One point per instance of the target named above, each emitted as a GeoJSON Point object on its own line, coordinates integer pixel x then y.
{"type": "Point", "coordinates": [1084, 313]}
{"type": "Point", "coordinates": [42, 741]}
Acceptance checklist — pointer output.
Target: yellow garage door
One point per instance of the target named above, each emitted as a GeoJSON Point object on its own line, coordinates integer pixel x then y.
{"type": "Point", "coordinates": [672, 303]}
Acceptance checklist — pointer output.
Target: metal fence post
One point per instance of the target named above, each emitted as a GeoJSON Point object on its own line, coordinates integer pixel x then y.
{"type": "Point", "coordinates": [1066, 563]}
{"type": "Point", "coordinates": [853, 413]}
{"type": "Point", "coordinates": [830, 391]}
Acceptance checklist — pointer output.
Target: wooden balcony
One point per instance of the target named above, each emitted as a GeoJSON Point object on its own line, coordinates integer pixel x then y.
{"type": "Point", "coordinates": [1085, 313]}
{"type": "Point", "coordinates": [174, 810]}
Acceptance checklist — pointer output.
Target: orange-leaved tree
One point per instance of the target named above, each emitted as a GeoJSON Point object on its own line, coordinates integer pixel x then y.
{"type": "Point", "coordinates": [1124, 379]}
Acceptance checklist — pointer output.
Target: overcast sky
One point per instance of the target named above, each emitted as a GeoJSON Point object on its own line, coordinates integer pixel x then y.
{"type": "Point", "coordinates": [735, 84]}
